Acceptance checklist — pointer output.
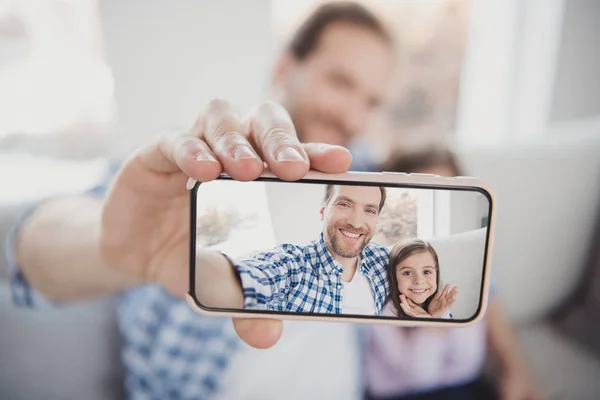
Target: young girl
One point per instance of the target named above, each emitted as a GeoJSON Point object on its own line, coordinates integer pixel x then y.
{"type": "Point", "coordinates": [440, 363]}
{"type": "Point", "coordinates": [414, 277]}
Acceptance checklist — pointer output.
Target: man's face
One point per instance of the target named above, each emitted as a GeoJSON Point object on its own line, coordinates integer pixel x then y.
{"type": "Point", "coordinates": [350, 218]}
{"type": "Point", "coordinates": [331, 94]}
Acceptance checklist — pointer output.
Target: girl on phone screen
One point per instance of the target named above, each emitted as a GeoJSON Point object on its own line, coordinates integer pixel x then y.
{"type": "Point", "coordinates": [414, 277]}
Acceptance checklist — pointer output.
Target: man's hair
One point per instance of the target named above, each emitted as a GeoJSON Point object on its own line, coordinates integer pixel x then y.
{"type": "Point", "coordinates": [329, 195]}
{"type": "Point", "coordinates": [306, 39]}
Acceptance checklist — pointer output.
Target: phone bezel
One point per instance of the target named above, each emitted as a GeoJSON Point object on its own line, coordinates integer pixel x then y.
{"type": "Point", "coordinates": [389, 179]}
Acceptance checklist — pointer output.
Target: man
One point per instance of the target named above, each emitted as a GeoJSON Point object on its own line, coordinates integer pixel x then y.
{"type": "Point", "coordinates": [341, 272]}
{"type": "Point", "coordinates": [130, 236]}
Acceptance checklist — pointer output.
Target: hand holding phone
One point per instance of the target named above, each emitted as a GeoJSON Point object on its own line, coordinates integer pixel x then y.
{"type": "Point", "coordinates": [144, 227]}
{"type": "Point", "coordinates": [342, 247]}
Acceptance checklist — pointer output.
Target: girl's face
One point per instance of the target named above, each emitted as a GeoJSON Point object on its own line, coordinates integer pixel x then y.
{"type": "Point", "coordinates": [417, 277]}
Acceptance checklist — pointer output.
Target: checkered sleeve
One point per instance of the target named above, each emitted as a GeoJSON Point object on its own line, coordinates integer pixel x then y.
{"type": "Point", "coordinates": [267, 275]}
{"type": "Point", "coordinates": [23, 294]}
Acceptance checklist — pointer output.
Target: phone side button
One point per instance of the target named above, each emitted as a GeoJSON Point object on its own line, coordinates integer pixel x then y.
{"type": "Point", "coordinates": [394, 173]}
{"type": "Point", "coordinates": [419, 174]}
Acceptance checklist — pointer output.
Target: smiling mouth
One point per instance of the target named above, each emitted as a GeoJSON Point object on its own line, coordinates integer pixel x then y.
{"type": "Point", "coordinates": [350, 235]}
{"type": "Point", "coordinates": [419, 291]}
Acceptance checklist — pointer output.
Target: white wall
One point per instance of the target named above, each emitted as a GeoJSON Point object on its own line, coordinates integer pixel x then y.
{"type": "Point", "coordinates": [294, 211]}
{"type": "Point", "coordinates": [170, 59]}
{"type": "Point", "coordinates": [508, 70]}
{"type": "Point", "coordinates": [465, 211]}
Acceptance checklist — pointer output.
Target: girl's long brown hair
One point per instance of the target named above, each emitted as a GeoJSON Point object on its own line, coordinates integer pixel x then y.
{"type": "Point", "coordinates": [400, 252]}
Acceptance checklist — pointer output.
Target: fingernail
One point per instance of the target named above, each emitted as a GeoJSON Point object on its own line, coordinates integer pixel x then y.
{"type": "Point", "coordinates": [204, 156]}
{"type": "Point", "coordinates": [289, 154]}
{"type": "Point", "coordinates": [243, 152]}
{"type": "Point", "coordinates": [190, 183]}
{"type": "Point", "coordinates": [326, 147]}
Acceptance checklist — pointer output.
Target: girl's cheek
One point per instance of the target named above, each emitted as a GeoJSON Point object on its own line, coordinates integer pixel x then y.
{"type": "Point", "coordinates": [401, 285]}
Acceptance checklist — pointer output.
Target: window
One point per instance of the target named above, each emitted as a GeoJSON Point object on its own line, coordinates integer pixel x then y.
{"type": "Point", "coordinates": [408, 213]}
{"type": "Point", "coordinates": [426, 214]}
{"type": "Point", "coordinates": [234, 217]}
{"type": "Point", "coordinates": [55, 81]}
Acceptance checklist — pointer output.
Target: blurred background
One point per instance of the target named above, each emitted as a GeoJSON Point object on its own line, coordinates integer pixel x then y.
{"type": "Point", "coordinates": [513, 86]}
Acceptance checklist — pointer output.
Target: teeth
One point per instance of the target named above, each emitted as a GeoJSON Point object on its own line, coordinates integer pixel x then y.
{"type": "Point", "coordinates": [418, 291]}
{"type": "Point", "coordinates": [352, 235]}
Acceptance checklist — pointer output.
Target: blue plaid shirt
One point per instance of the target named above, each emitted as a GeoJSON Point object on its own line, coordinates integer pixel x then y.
{"type": "Point", "coordinates": [168, 350]}
{"type": "Point", "coordinates": [307, 278]}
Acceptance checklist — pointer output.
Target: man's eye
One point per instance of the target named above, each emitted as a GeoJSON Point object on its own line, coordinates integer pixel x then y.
{"type": "Point", "coordinates": [372, 211]}
{"type": "Point", "coordinates": [344, 204]}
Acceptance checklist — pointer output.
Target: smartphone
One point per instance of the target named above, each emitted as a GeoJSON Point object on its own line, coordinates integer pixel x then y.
{"type": "Point", "coordinates": [389, 248]}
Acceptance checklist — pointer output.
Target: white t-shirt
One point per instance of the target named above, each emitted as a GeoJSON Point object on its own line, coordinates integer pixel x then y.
{"type": "Point", "coordinates": [358, 296]}
{"type": "Point", "coordinates": [312, 360]}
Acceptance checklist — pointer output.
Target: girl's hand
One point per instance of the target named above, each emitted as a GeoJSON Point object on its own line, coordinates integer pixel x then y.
{"type": "Point", "coordinates": [411, 309]}
{"type": "Point", "coordinates": [442, 302]}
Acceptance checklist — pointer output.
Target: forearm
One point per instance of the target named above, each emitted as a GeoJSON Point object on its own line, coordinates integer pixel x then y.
{"type": "Point", "coordinates": [217, 283]}
{"type": "Point", "coordinates": [502, 340]}
{"type": "Point", "coordinates": [57, 250]}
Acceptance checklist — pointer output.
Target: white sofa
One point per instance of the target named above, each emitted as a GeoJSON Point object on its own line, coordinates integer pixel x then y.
{"type": "Point", "coordinates": [547, 207]}
{"type": "Point", "coordinates": [547, 197]}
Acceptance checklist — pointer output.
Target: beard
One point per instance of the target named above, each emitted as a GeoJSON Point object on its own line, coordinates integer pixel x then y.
{"type": "Point", "coordinates": [336, 246]}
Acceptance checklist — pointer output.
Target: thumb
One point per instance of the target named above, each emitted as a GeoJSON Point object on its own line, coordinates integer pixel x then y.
{"type": "Point", "coordinates": [258, 333]}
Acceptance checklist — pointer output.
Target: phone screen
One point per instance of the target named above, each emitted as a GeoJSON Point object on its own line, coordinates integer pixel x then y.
{"type": "Point", "coordinates": [346, 249]}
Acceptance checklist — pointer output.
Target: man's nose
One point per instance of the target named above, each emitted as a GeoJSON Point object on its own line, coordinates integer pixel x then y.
{"type": "Point", "coordinates": [356, 219]}
{"type": "Point", "coordinates": [355, 118]}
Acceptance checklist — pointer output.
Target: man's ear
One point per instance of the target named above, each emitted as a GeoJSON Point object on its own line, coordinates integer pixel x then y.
{"type": "Point", "coordinates": [322, 212]}
{"type": "Point", "coordinates": [285, 63]}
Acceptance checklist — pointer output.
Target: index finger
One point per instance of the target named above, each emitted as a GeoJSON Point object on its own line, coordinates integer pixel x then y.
{"type": "Point", "coordinates": [222, 128]}
{"type": "Point", "coordinates": [407, 310]}
{"type": "Point", "coordinates": [179, 152]}
{"type": "Point", "coordinates": [271, 130]}
{"type": "Point", "coordinates": [446, 289]}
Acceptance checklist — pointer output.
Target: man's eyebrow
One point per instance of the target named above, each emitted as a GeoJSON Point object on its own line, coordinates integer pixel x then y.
{"type": "Point", "coordinates": [344, 198]}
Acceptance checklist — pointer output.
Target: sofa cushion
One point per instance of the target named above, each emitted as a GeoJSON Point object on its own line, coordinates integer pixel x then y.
{"type": "Point", "coordinates": [461, 264]}
{"type": "Point", "coordinates": [67, 353]}
{"type": "Point", "coordinates": [580, 316]}
{"type": "Point", "coordinates": [544, 194]}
